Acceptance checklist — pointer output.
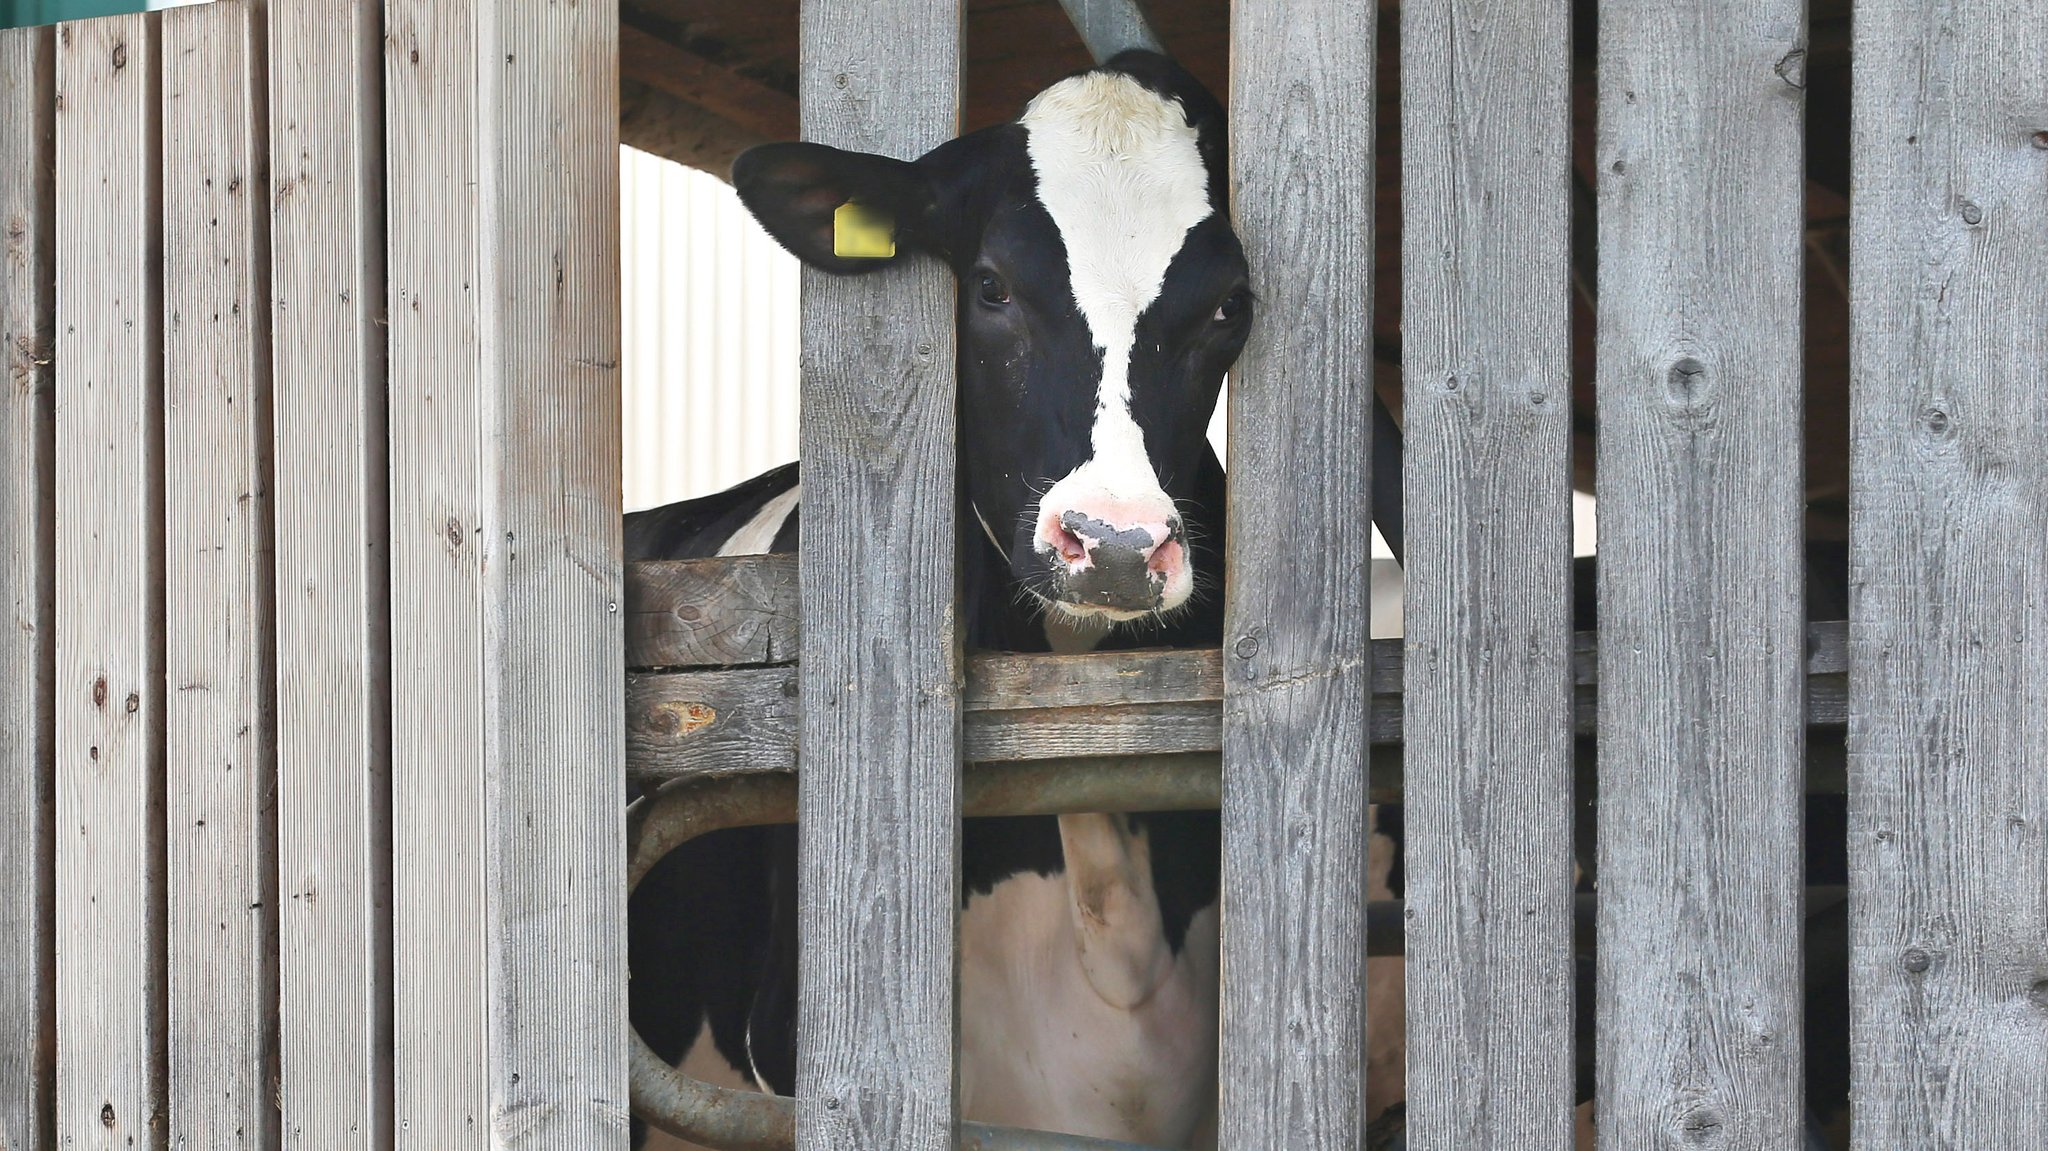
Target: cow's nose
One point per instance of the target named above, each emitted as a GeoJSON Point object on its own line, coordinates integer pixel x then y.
{"type": "Point", "coordinates": [1120, 566]}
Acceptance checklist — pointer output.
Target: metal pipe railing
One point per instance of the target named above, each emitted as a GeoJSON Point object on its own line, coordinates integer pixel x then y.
{"type": "Point", "coordinates": [730, 1120]}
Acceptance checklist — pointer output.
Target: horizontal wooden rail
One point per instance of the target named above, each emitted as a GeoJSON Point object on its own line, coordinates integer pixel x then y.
{"type": "Point", "coordinates": [713, 692]}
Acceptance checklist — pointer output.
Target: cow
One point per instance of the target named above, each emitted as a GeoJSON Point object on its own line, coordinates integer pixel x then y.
{"type": "Point", "coordinates": [1102, 294]}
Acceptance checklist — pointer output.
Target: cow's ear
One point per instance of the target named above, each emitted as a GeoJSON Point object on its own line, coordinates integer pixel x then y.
{"type": "Point", "coordinates": [844, 212]}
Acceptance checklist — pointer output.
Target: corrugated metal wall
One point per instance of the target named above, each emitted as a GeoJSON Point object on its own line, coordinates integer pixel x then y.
{"type": "Point", "coordinates": [710, 354]}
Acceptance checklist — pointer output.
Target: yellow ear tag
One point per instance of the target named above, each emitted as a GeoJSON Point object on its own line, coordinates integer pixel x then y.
{"type": "Point", "coordinates": [861, 233]}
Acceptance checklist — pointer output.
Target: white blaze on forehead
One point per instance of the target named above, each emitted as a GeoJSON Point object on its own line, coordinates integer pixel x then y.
{"type": "Point", "coordinates": [1120, 172]}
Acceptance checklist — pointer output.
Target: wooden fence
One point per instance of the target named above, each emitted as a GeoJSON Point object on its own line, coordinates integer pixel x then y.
{"type": "Point", "coordinates": [309, 493]}
{"type": "Point", "coordinates": [311, 752]}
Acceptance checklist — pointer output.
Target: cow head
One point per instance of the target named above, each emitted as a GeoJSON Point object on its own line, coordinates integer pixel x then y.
{"type": "Point", "coordinates": [1102, 295]}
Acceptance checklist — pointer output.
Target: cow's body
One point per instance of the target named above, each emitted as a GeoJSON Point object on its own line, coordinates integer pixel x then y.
{"type": "Point", "coordinates": [1102, 297]}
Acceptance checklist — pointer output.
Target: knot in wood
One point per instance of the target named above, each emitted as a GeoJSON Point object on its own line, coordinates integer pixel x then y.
{"type": "Point", "coordinates": [1971, 213]}
{"type": "Point", "coordinates": [1791, 68]}
{"type": "Point", "coordinates": [1686, 383]}
{"type": "Point", "coordinates": [1702, 1126]}
{"type": "Point", "coordinates": [1916, 960]}
{"type": "Point", "coordinates": [681, 718]}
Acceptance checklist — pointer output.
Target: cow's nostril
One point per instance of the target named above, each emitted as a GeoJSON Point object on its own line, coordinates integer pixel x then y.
{"type": "Point", "coordinates": [1068, 545]}
{"type": "Point", "coordinates": [1164, 559]}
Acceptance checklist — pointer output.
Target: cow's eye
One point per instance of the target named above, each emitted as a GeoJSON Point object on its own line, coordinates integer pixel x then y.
{"type": "Point", "coordinates": [993, 290]}
{"type": "Point", "coordinates": [1232, 307]}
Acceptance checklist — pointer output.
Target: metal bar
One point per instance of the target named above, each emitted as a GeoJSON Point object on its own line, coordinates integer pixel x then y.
{"type": "Point", "coordinates": [1111, 26]}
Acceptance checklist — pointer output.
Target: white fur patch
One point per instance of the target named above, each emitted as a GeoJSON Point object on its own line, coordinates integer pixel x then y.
{"type": "Point", "coordinates": [1120, 172]}
{"type": "Point", "coordinates": [759, 533]}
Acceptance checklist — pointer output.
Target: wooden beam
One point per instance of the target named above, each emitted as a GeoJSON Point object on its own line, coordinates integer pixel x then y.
{"type": "Point", "coordinates": [879, 839]}
{"type": "Point", "coordinates": [110, 579]}
{"type": "Point", "coordinates": [333, 628]}
{"type": "Point", "coordinates": [1948, 759]}
{"type": "Point", "coordinates": [1297, 670]}
{"type": "Point", "coordinates": [671, 68]}
{"type": "Point", "coordinates": [1702, 753]}
{"type": "Point", "coordinates": [1487, 767]}
{"type": "Point", "coordinates": [502, 122]}
{"type": "Point", "coordinates": [219, 753]}
{"type": "Point", "coordinates": [27, 584]}
{"type": "Point", "coordinates": [1029, 707]}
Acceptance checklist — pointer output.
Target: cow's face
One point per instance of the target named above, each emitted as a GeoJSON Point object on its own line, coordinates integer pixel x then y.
{"type": "Point", "coordinates": [1102, 295]}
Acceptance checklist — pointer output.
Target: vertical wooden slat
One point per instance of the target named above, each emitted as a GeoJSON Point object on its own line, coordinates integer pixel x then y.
{"type": "Point", "coordinates": [1486, 353]}
{"type": "Point", "coordinates": [1948, 752]}
{"type": "Point", "coordinates": [1296, 658]}
{"type": "Point", "coordinates": [1700, 486]}
{"type": "Point", "coordinates": [27, 61]}
{"type": "Point", "coordinates": [109, 678]}
{"type": "Point", "coordinates": [879, 790]}
{"type": "Point", "coordinates": [220, 773]}
{"type": "Point", "coordinates": [507, 658]}
{"type": "Point", "coordinates": [327, 284]}
{"type": "Point", "coordinates": [553, 643]}
{"type": "Point", "coordinates": [436, 414]}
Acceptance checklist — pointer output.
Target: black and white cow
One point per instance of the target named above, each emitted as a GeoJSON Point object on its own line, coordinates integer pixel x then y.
{"type": "Point", "coordinates": [1102, 295]}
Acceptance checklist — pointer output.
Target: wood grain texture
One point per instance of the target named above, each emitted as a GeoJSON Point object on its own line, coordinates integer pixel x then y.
{"type": "Point", "coordinates": [436, 406]}
{"type": "Point", "coordinates": [553, 652]}
{"type": "Point", "coordinates": [880, 790]}
{"type": "Point", "coordinates": [333, 696]}
{"type": "Point", "coordinates": [1296, 658]}
{"type": "Point", "coordinates": [27, 623]}
{"type": "Point", "coordinates": [997, 681]}
{"type": "Point", "coordinates": [220, 769]}
{"type": "Point", "coordinates": [110, 564]}
{"type": "Point", "coordinates": [1486, 353]}
{"type": "Point", "coordinates": [1701, 760]}
{"type": "Point", "coordinates": [1032, 707]}
{"type": "Point", "coordinates": [697, 613]}
{"type": "Point", "coordinates": [1948, 755]}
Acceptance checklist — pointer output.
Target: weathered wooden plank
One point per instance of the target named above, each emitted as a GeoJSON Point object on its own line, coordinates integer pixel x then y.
{"type": "Point", "coordinates": [1486, 351]}
{"type": "Point", "coordinates": [333, 757]}
{"type": "Point", "coordinates": [110, 698]}
{"type": "Point", "coordinates": [742, 720]}
{"type": "Point", "coordinates": [732, 610]}
{"type": "Point", "coordinates": [27, 631]}
{"type": "Point", "coordinates": [435, 410]}
{"type": "Point", "coordinates": [1296, 660]}
{"type": "Point", "coordinates": [553, 647]}
{"type": "Point", "coordinates": [1701, 760]}
{"type": "Point", "coordinates": [1137, 729]}
{"type": "Point", "coordinates": [219, 766]}
{"type": "Point", "coordinates": [1948, 757]}
{"type": "Point", "coordinates": [880, 790]}
{"type": "Point", "coordinates": [1000, 681]}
